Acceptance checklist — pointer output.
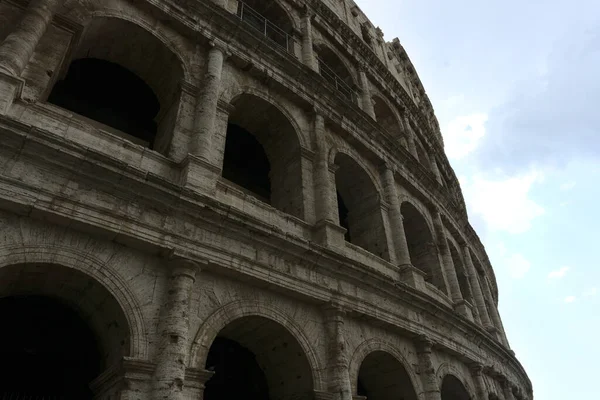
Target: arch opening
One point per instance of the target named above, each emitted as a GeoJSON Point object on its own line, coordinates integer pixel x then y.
{"type": "Point", "coordinates": [270, 19]}
{"type": "Point", "coordinates": [423, 156]}
{"type": "Point", "coordinates": [461, 274]}
{"type": "Point", "coordinates": [421, 247]}
{"type": "Point", "coordinates": [453, 389]}
{"type": "Point", "coordinates": [262, 154]}
{"type": "Point", "coordinates": [333, 69]}
{"type": "Point", "coordinates": [383, 377]}
{"type": "Point", "coordinates": [61, 330]}
{"type": "Point", "coordinates": [385, 117]}
{"type": "Point", "coordinates": [255, 358]}
{"type": "Point", "coordinates": [360, 208]}
{"type": "Point", "coordinates": [112, 82]}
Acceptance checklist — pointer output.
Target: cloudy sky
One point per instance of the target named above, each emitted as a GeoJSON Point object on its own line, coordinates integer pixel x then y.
{"type": "Point", "coordinates": [516, 88]}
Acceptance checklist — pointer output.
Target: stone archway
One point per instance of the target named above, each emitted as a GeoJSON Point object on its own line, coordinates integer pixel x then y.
{"type": "Point", "coordinates": [359, 207]}
{"type": "Point", "coordinates": [112, 81]}
{"type": "Point", "coordinates": [61, 329]}
{"type": "Point", "coordinates": [421, 246]}
{"type": "Point", "coordinates": [256, 358]}
{"type": "Point", "coordinates": [453, 389]}
{"type": "Point", "coordinates": [382, 377]}
{"type": "Point", "coordinates": [262, 154]}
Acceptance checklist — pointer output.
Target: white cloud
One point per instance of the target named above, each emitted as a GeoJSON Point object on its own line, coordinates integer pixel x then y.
{"type": "Point", "coordinates": [590, 292]}
{"type": "Point", "coordinates": [558, 273]}
{"type": "Point", "coordinates": [570, 299]}
{"type": "Point", "coordinates": [462, 135]}
{"type": "Point", "coordinates": [567, 186]}
{"type": "Point", "coordinates": [517, 266]}
{"type": "Point", "coordinates": [504, 203]}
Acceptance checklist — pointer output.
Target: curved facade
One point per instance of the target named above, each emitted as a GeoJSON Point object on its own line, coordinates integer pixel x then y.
{"type": "Point", "coordinates": [223, 199]}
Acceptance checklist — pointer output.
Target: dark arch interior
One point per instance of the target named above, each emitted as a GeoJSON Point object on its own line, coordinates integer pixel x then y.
{"type": "Point", "coordinates": [237, 374]}
{"type": "Point", "coordinates": [110, 94]}
{"type": "Point", "coordinates": [343, 216]}
{"type": "Point", "coordinates": [382, 377]}
{"type": "Point", "coordinates": [359, 209]}
{"type": "Point", "coordinates": [47, 350]}
{"type": "Point", "coordinates": [453, 389]}
{"type": "Point", "coordinates": [262, 154]}
{"type": "Point", "coordinates": [421, 247]}
{"type": "Point", "coordinates": [255, 358]}
{"type": "Point", "coordinates": [245, 162]}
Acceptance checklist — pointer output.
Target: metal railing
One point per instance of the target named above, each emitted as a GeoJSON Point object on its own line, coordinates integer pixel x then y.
{"type": "Point", "coordinates": [265, 27]}
{"type": "Point", "coordinates": [339, 83]}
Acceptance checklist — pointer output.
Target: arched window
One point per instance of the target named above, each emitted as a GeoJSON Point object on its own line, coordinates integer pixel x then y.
{"type": "Point", "coordinates": [421, 247]}
{"type": "Point", "coordinates": [453, 389]}
{"type": "Point", "coordinates": [123, 77]}
{"type": "Point", "coordinates": [333, 69]}
{"type": "Point", "coordinates": [385, 117]}
{"type": "Point", "coordinates": [423, 156]}
{"type": "Point", "coordinates": [262, 154]}
{"type": "Point", "coordinates": [383, 377]}
{"type": "Point", "coordinates": [359, 207]}
{"type": "Point", "coordinates": [461, 274]}
{"type": "Point", "coordinates": [269, 19]}
{"type": "Point", "coordinates": [60, 330]}
{"type": "Point", "coordinates": [255, 358]}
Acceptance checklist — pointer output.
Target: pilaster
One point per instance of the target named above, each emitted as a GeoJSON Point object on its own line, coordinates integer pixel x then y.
{"type": "Point", "coordinates": [18, 47]}
{"type": "Point", "coordinates": [337, 360]}
{"type": "Point", "coordinates": [494, 314]}
{"type": "Point", "coordinates": [410, 137]}
{"type": "Point", "coordinates": [426, 369]}
{"type": "Point", "coordinates": [365, 91]}
{"type": "Point", "coordinates": [308, 54]}
{"type": "Point", "coordinates": [448, 266]}
{"type": "Point", "coordinates": [477, 373]}
{"type": "Point", "coordinates": [396, 223]}
{"type": "Point", "coordinates": [206, 105]}
{"type": "Point", "coordinates": [475, 286]}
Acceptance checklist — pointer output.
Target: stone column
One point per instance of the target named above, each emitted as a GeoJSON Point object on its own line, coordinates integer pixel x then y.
{"type": "Point", "coordinates": [337, 365]}
{"type": "Point", "coordinates": [477, 372]}
{"type": "Point", "coordinates": [171, 359]}
{"type": "Point", "coordinates": [18, 47]}
{"type": "Point", "coordinates": [431, 389]}
{"type": "Point", "coordinates": [494, 314]}
{"type": "Point", "coordinates": [398, 234]}
{"type": "Point", "coordinates": [206, 105]}
{"type": "Point", "coordinates": [477, 294]}
{"type": "Point", "coordinates": [308, 54]}
{"type": "Point", "coordinates": [507, 389]}
{"type": "Point", "coordinates": [410, 137]}
{"type": "Point", "coordinates": [365, 91]}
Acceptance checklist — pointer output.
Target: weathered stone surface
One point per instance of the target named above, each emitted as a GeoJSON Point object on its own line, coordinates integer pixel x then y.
{"type": "Point", "coordinates": [352, 272]}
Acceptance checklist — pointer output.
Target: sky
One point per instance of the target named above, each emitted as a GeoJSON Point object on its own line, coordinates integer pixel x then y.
{"type": "Point", "coordinates": [516, 88]}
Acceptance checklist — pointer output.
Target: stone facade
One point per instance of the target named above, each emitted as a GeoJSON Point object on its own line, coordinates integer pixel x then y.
{"type": "Point", "coordinates": [349, 271]}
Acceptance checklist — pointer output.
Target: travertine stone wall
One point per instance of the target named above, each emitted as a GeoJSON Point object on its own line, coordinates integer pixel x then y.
{"type": "Point", "coordinates": [161, 254]}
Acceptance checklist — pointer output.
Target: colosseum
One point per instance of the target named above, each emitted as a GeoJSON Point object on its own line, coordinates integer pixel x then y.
{"type": "Point", "coordinates": [217, 199]}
